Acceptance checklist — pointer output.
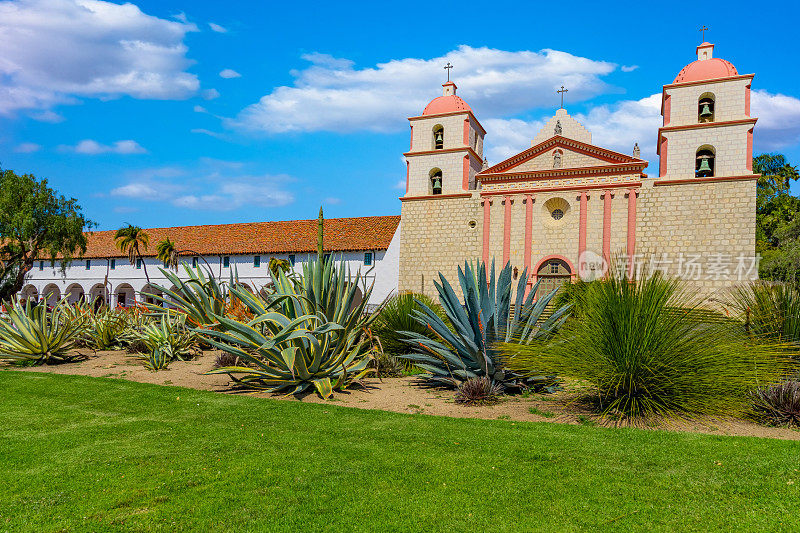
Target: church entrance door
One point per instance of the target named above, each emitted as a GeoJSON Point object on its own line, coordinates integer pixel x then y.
{"type": "Point", "coordinates": [552, 274]}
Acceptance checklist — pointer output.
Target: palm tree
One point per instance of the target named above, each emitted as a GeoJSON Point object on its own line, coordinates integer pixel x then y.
{"type": "Point", "coordinates": [131, 240]}
{"type": "Point", "coordinates": [167, 253]}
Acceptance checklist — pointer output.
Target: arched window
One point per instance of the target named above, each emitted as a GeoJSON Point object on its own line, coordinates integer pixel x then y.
{"type": "Point", "coordinates": [435, 181]}
{"type": "Point", "coordinates": [705, 108]}
{"type": "Point", "coordinates": [438, 137]}
{"type": "Point", "coordinates": [557, 159]}
{"type": "Point", "coordinates": [704, 162]}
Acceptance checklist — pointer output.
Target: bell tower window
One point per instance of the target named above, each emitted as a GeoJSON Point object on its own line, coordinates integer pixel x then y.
{"type": "Point", "coordinates": [435, 181]}
{"type": "Point", "coordinates": [705, 108]}
{"type": "Point", "coordinates": [438, 137]}
{"type": "Point", "coordinates": [704, 162]}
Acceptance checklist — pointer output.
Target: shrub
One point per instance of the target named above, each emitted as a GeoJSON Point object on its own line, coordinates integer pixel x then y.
{"type": "Point", "coordinates": [396, 315]}
{"type": "Point", "coordinates": [485, 319]}
{"type": "Point", "coordinates": [157, 359]}
{"type": "Point", "coordinates": [34, 333]}
{"type": "Point", "coordinates": [479, 391]}
{"type": "Point", "coordinates": [769, 309]}
{"type": "Point", "coordinates": [778, 404]}
{"type": "Point", "coordinates": [649, 350]}
{"type": "Point", "coordinates": [226, 359]}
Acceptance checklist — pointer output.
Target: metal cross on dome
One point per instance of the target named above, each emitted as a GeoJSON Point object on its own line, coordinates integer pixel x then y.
{"type": "Point", "coordinates": [562, 91]}
{"type": "Point", "coordinates": [703, 30]}
{"type": "Point", "coordinates": [447, 67]}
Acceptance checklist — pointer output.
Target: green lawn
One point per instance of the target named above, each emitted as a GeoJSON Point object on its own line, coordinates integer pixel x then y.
{"type": "Point", "coordinates": [90, 454]}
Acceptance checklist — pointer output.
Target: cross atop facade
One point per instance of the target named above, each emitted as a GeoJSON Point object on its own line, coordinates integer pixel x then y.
{"type": "Point", "coordinates": [447, 67]}
{"type": "Point", "coordinates": [703, 30]}
{"type": "Point", "coordinates": [561, 92]}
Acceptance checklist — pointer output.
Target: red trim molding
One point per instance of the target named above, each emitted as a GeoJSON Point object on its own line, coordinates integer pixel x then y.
{"type": "Point", "coordinates": [548, 258]}
{"type": "Point", "coordinates": [713, 80]}
{"type": "Point", "coordinates": [487, 213]}
{"type": "Point", "coordinates": [465, 176]}
{"type": "Point", "coordinates": [560, 173]}
{"type": "Point", "coordinates": [470, 113]}
{"type": "Point", "coordinates": [469, 149]}
{"type": "Point", "coordinates": [665, 129]}
{"type": "Point", "coordinates": [435, 197]}
{"type": "Point", "coordinates": [688, 181]}
{"type": "Point", "coordinates": [596, 186]}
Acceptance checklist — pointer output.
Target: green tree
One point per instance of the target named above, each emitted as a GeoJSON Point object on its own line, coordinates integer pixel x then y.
{"type": "Point", "coordinates": [36, 223]}
{"type": "Point", "coordinates": [132, 240]}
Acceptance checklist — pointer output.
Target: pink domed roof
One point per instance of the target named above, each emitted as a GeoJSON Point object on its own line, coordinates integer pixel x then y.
{"type": "Point", "coordinates": [706, 69]}
{"type": "Point", "coordinates": [446, 104]}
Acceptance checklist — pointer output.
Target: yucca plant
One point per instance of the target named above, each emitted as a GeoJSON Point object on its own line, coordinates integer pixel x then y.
{"type": "Point", "coordinates": [649, 351]}
{"type": "Point", "coordinates": [107, 329]}
{"type": "Point", "coordinates": [484, 320]}
{"type": "Point", "coordinates": [171, 332]}
{"type": "Point", "coordinates": [201, 297]}
{"type": "Point", "coordinates": [33, 333]}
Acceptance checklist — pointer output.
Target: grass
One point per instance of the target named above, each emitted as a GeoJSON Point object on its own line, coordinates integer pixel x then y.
{"type": "Point", "coordinates": [536, 411]}
{"type": "Point", "coordinates": [94, 454]}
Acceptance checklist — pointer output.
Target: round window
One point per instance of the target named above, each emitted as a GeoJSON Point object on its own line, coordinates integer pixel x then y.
{"type": "Point", "coordinates": [472, 224]}
{"type": "Point", "coordinates": [557, 214]}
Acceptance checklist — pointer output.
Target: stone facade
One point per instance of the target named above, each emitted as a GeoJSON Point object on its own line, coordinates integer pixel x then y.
{"type": "Point", "coordinates": [565, 200]}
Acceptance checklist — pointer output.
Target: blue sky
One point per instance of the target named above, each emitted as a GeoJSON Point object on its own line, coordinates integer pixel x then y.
{"type": "Point", "coordinates": [175, 113]}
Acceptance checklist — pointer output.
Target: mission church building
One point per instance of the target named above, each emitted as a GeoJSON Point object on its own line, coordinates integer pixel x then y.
{"type": "Point", "coordinates": [565, 206]}
{"type": "Point", "coordinates": [562, 208]}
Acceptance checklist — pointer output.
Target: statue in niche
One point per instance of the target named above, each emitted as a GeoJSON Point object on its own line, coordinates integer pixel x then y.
{"type": "Point", "coordinates": [557, 160]}
{"type": "Point", "coordinates": [558, 127]}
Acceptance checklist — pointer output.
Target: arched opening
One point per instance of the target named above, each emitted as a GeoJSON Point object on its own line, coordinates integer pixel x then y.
{"type": "Point", "coordinates": [438, 137]}
{"type": "Point", "coordinates": [52, 294]}
{"type": "Point", "coordinates": [704, 161]}
{"type": "Point", "coordinates": [98, 295]}
{"type": "Point", "coordinates": [557, 158]}
{"type": "Point", "coordinates": [74, 293]}
{"type": "Point", "coordinates": [148, 294]}
{"type": "Point", "coordinates": [552, 272]}
{"type": "Point", "coordinates": [125, 296]}
{"type": "Point", "coordinates": [705, 108]}
{"type": "Point", "coordinates": [29, 293]}
{"type": "Point", "coordinates": [435, 182]}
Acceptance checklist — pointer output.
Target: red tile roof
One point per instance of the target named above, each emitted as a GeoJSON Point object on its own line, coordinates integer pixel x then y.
{"type": "Point", "coordinates": [340, 234]}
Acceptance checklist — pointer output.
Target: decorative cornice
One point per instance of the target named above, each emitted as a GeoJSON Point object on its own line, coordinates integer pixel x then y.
{"type": "Point", "coordinates": [469, 149]}
{"type": "Point", "coordinates": [435, 196]}
{"type": "Point", "coordinates": [703, 125]}
{"type": "Point", "coordinates": [560, 173]}
{"type": "Point", "coordinates": [704, 82]}
{"type": "Point", "coordinates": [577, 188]}
{"type": "Point", "coordinates": [688, 181]}
{"type": "Point", "coordinates": [465, 112]}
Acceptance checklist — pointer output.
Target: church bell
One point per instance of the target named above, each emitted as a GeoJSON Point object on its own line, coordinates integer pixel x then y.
{"type": "Point", "coordinates": [439, 138]}
{"type": "Point", "coordinates": [705, 112]}
{"type": "Point", "coordinates": [704, 166]}
{"type": "Point", "coordinates": [437, 185]}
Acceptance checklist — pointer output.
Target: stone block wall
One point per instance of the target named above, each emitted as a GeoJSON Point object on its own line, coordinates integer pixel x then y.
{"type": "Point", "coordinates": [729, 101]}
{"type": "Point", "coordinates": [729, 142]}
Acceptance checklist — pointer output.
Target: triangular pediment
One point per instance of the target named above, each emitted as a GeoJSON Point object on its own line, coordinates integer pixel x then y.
{"type": "Point", "coordinates": [572, 154]}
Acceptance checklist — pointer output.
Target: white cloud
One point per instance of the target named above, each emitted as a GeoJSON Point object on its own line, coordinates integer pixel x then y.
{"type": "Point", "coordinates": [778, 120]}
{"type": "Point", "coordinates": [229, 73]}
{"type": "Point", "coordinates": [200, 109]}
{"type": "Point", "coordinates": [263, 191]}
{"type": "Point", "coordinates": [401, 184]}
{"type": "Point", "coordinates": [45, 116]}
{"type": "Point", "coordinates": [92, 147]}
{"type": "Point", "coordinates": [628, 68]}
{"type": "Point", "coordinates": [333, 95]}
{"type": "Point", "coordinates": [56, 50]}
{"type": "Point", "coordinates": [27, 148]}
{"type": "Point", "coordinates": [506, 137]}
{"type": "Point", "coordinates": [217, 28]}
{"type": "Point", "coordinates": [332, 200]}
{"type": "Point", "coordinates": [204, 131]}
{"type": "Point", "coordinates": [210, 94]}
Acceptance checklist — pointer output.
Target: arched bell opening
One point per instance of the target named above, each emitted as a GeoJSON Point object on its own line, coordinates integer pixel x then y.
{"type": "Point", "coordinates": [705, 161]}
{"type": "Point", "coordinates": [438, 137]}
{"type": "Point", "coordinates": [705, 108]}
{"type": "Point", "coordinates": [435, 182]}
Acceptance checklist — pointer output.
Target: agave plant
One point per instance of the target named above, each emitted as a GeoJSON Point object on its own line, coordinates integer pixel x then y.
{"type": "Point", "coordinates": [33, 333]}
{"type": "Point", "coordinates": [301, 337]}
{"type": "Point", "coordinates": [201, 297]}
{"type": "Point", "coordinates": [170, 332]}
{"type": "Point", "coordinates": [157, 359]}
{"type": "Point", "coordinates": [107, 329]}
{"type": "Point", "coordinates": [484, 320]}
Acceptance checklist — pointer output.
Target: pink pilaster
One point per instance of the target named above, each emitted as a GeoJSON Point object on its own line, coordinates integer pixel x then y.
{"type": "Point", "coordinates": [487, 205]}
{"type": "Point", "coordinates": [747, 100]}
{"type": "Point", "coordinates": [411, 144]}
{"type": "Point", "coordinates": [465, 169]}
{"type": "Point", "coordinates": [607, 226]}
{"type": "Point", "coordinates": [528, 231]}
{"type": "Point", "coordinates": [466, 132]}
{"type": "Point", "coordinates": [408, 173]}
{"type": "Point", "coordinates": [631, 249]}
{"type": "Point", "coordinates": [662, 162]}
{"type": "Point", "coordinates": [506, 230]}
{"type": "Point", "coordinates": [749, 152]}
{"type": "Point", "coordinates": [584, 216]}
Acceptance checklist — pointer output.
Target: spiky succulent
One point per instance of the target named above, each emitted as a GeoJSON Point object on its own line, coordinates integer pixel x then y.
{"type": "Point", "coordinates": [778, 404]}
{"type": "Point", "coordinates": [479, 391]}
{"type": "Point", "coordinates": [35, 333]}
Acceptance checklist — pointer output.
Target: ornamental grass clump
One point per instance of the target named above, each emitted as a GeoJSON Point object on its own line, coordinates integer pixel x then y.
{"type": "Point", "coordinates": [769, 309]}
{"type": "Point", "coordinates": [649, 351]}
{"type": "Point", "coordinates": [33, 333]}
{"type": "Point", "coordinates": [778, 405]}
{"type": "Point", "coordinates": [396, 317]}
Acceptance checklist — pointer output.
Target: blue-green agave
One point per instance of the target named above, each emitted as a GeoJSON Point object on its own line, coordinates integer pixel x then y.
{"type": "Point", "coordinates": [485, 319]}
